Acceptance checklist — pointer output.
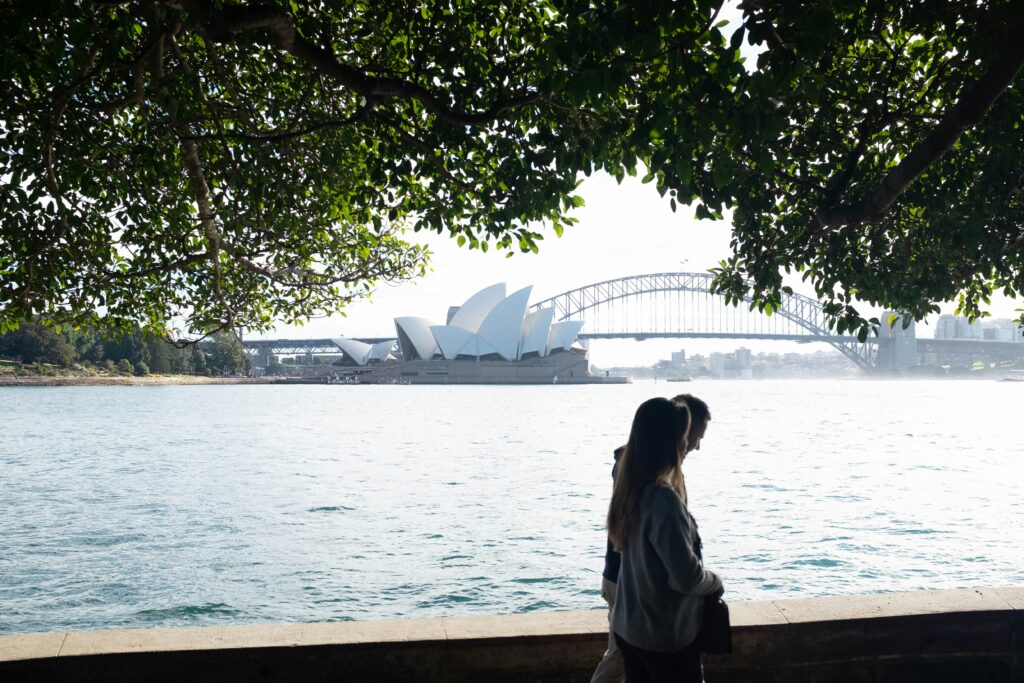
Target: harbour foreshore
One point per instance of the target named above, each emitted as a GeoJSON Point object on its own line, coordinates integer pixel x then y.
{"type": "Point", "coordinates": [11, 380]}
{"type": "Point", "coordinates": [936, 636]}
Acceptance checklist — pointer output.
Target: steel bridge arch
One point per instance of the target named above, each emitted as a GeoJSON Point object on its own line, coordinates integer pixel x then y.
{"type": "Point", "coordinates": [796, 308]}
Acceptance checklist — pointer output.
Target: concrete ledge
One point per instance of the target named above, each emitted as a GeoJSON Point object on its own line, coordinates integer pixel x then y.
{"type": "Point", "coordinates": [959, 635]}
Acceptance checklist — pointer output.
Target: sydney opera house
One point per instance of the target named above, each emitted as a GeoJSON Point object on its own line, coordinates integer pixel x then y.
{"type": "Point", "coordinates": [490, 339]}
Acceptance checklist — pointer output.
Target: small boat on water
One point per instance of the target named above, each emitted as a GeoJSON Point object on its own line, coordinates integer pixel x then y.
{"type": "Point", "coordinates": [681, 378]}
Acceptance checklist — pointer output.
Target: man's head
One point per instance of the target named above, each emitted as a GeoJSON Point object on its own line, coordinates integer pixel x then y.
{"type": "Point", "coordinates": [700, 415]}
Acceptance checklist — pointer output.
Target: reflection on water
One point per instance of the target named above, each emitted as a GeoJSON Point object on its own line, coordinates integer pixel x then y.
{"type": "Point", "coordinates": [161, 506]}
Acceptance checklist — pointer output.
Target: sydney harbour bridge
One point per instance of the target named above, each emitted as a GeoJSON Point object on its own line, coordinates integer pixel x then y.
{"type": "Point", "coordinates": [683, 306]}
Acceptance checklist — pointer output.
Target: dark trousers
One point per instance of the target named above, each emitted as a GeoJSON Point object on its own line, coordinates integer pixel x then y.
{"type": "Point", "coordinates": [645, 666]}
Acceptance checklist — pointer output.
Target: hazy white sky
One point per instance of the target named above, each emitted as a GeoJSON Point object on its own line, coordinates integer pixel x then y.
{"type": "Point", "coordinates": [624, 230]}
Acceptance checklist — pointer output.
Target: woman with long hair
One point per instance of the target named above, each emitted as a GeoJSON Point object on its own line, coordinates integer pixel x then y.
{"type": "Point", "coordinates": [662, 581]}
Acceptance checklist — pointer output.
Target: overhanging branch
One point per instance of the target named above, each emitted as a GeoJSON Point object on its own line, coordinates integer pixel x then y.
{"type": "Point", "coordinates": [224, 24]}
{"type": "Point", "coordinates": [970, 109]}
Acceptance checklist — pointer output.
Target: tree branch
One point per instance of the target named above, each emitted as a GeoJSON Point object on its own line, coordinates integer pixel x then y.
{"type": "Point", "coordinates": [224, 24]}
{"type": "Point", "coordinates": [274, 136]}
{"type": "Point", "coordinates": [974, 103]}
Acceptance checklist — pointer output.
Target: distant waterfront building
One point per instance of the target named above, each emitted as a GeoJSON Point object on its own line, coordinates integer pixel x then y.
{"type": "Point", "coordinates": [1001, 329]}
{"type": "Point", "coordinates": [489, 326]}
{"type": "Point", "coordinates": [489, 339]}
{"type": "Point", "coordinates": [679, 358]}
{"type": "Point", "coordinates": [716, 364]}
{"type": "Point", "coordinates": [959, 327]}
{"type": "Point", "coordinates": [744, 360]}
{"type": "Point", "coordinates": [946, 327]}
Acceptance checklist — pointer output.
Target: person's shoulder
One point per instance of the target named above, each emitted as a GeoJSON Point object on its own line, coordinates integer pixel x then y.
{"type": "Point", "coordinates": [666, 504]}
{"type": "Point", "coordinates": [663, 495]}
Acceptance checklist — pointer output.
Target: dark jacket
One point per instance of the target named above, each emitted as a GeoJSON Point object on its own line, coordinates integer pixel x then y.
{"type": "Point", "coordinates": [612, 559]}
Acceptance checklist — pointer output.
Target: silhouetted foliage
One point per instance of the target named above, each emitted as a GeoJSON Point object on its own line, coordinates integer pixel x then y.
{"type": "Point", "coordinates": [233, 164]}
{"type": "Point", "coordinates": [225, 355]}
{"type": "Point", "coordinates": [34, 342]}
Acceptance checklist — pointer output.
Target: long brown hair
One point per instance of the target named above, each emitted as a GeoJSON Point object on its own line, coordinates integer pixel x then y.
{"type": "Point", "coordinates": [654, 451]}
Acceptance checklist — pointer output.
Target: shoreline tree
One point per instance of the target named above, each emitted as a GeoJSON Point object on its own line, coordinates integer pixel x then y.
{"type": "Point", "coordinates": [232, 164]}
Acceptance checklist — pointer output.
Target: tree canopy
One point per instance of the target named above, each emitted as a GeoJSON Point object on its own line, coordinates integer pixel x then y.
{"type": "Point", "coordinates": [237, 163]}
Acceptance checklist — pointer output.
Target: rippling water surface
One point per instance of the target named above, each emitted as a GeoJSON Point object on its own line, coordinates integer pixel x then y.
{"type": "Point", "coordinates": [166, 506]}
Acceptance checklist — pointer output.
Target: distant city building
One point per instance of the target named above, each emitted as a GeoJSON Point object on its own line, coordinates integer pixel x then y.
{"type": "Point", "coordinates": [744, 360]}
{"type": "Point", "coordinates": [679, 358]}
{"type": "Point", "coordinates": [744, 364]}
{"type": "Point", "coordinates": [959, 327]}
{"type": "Point", "coordinates": [1001, 329]}
{"type": "Point", "coordinates": [946, 327]}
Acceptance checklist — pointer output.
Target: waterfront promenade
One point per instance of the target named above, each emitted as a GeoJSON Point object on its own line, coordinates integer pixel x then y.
{"type": "Point", "coordinates": [935, 636]}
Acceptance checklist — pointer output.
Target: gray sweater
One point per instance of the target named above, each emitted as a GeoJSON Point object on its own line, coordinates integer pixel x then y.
{"type": "Point", "coordinates": [659, 602]}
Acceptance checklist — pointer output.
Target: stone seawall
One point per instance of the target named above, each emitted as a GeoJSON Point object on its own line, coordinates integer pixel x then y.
{"type": "Point", "coordinates": [974, 635]}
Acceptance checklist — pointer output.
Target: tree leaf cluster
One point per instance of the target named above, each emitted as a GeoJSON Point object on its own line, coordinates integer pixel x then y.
{"type": "Point", "coordinates": [234, 164]}
{"type": "Point", "coordinates": [133, 351]}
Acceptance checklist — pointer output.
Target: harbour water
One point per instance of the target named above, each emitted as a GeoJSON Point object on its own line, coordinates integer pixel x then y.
{"type": "Point", "coordinates": [126, 507]}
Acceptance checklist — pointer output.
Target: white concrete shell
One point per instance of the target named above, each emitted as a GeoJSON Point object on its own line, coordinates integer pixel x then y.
{"type": "Point", "coordinates": [415, 338]}
{"type": "Point", "coordinates": [536, 327]}
{"type": "Point", "coordinates": [382, 350]}
{"type": "Point", "coordinates": [563, 334]}
{"type": "Point", "coordinates": [358, 351]}
{"type": "Point", "coordinates": [477, 347]}
{"type": "Point", "coordinates": [451, 339]}
{"type": "Point", "coordinates": [472, 313]}
{"type": "Point", "coordinates": [503, 325]}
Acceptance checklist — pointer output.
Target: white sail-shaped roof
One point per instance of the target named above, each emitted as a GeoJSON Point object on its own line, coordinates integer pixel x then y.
{"type": "Point", "coordinates": [534, 337]}
{"type": "Point", "coordinates": [358, 351]}
{"type": "Point", "coordinates": [503, 325]}
{"type": "Point", "coordinates": [477, 346]}
{"type": "Point", "coordinates": [382, 350]}
{"type": "Point", "coordinates": [416, 331]}
{"type": "Point", "coordinates": [451, 339]}
{"type": "Point", "coordinates": [472, 313]}
{"type": "Point", "coordinates": [563, 334]}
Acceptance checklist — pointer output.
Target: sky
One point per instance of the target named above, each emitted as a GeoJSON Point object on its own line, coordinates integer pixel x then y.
{"type": "Point", "coordinates": [623, 230]}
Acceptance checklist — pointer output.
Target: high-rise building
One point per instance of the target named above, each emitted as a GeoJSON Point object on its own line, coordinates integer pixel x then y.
{"type": "Point", "coordinates": [716, 364]}
{"type": "Point", "coordinates": [946, 327]}
{"type": "Point", "coordinates": [959, 327]}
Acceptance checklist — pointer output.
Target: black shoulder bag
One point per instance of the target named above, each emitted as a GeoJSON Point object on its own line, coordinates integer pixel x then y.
{"type": "Point", "coordinates": [715, 635]}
